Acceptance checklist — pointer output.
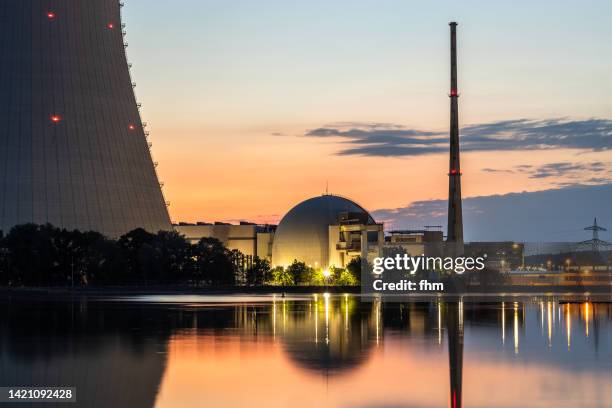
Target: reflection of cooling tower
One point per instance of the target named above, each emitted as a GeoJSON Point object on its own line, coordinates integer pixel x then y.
{"type": "Point", "coordinates": [73, 150]}
{"type": "Point", "coordinates": [114, 355]}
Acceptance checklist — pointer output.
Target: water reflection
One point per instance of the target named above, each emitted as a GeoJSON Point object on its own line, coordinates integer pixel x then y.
{"type": "Point", "coordinates": [115, 356]}
{"type": "Point", "coordinates": [319, 350]}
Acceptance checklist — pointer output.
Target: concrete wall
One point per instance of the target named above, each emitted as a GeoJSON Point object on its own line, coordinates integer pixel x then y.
{"type": "Point", "coordinates": [240, 237]}
{"type": "Point", "coordinates": [90, 168]}
{"type": "Point", "coordinates": [265, 241]}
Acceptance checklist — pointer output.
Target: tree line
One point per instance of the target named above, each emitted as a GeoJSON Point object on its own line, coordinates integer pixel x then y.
{"type": "Point", "coordinates": [44, 255]}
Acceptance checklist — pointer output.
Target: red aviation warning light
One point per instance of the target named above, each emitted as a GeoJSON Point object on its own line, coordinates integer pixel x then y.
{"type": "Point", "coordinates": [110, 26]}
{"type": "Point", "coordinates": [51, 15]}
{"type": "Point", "coordinates": [453, 92]}
{"type": "Point", "coordinates": [56, 118]}
{"type": "Point", "coordinates": [453, 172]}
{"type": "Point", "coordinates": [131, 126]}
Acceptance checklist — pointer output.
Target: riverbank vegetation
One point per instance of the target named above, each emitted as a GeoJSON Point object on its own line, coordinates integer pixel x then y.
{"type": "Point", "coordinates": [43, 255]}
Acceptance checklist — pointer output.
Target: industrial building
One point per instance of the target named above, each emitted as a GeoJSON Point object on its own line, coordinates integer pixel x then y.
{"type": "Point", "coordinates": [249, 238]}
{"type": "Point", "coordinates": [73, 148]}
{"type": "Point", "coordinates": [328, 230]}
{"type": "Point", "coordinates": [501, 256]}
{"type": "Point", "coordinates": [323, 231]}
{"type": "Point", "coordinates": [429, 242]}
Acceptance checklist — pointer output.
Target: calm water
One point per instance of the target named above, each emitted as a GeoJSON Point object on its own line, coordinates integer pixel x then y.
{"type": "Point", "coordinates": [336, 351]}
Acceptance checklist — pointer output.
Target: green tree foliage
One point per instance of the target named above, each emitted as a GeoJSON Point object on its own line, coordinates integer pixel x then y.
{"type": "Point", "coordinates": [345, 278]}
{"type": "Point", "coordinates": [298, 273]}
{"type": "Point", "coordinates": [354, 269]}
{"type": "Point", "coordinates": [282, 277]}
{"type": "Point", "coordinates": [302, 274]}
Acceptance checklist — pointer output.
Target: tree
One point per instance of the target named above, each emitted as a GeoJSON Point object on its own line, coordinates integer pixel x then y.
{"type": "Point", "coordinates": [174, 255]}
{"type": "Point", "coordinates": [213, 262]}
{"type": "Point", "coordinates": [239, 260]}
{"type": "Point", "coordinates": [354, 269]}
{"type": "Point", "coordinates": [301, 273]}
{"type": "Point", "coordinates": [136, 248]}
{"type": "Point", "coordinates": [282, 277]}
{"type": "Point", "coordinates": [104, 261]}
{"type": "Point", "coordinates": [34, 257]}
{"type": "Point", "coordinates": [259, 272]}
{"type": "Point", "coordinates": [43, 255]}
{"type": "Point", "coordinates": [345, 278]}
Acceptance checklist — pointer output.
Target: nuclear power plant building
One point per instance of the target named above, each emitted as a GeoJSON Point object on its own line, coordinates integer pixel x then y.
{"type": "Point", "coordinates": [322, 231]}
{"type": "Point", "coordinates": [73, 149]}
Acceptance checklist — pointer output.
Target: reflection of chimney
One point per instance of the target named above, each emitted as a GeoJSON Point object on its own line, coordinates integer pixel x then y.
{"type": "Point", "coordinates": [454, 328]}
{"type": "Point", "coordinates": [455, 215]}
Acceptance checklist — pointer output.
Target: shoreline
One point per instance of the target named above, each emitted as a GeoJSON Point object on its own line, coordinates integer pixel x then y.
{"type": "Point", "coordinates": [596, 293]}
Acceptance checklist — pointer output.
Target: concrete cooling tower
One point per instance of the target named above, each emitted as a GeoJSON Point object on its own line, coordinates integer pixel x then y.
{"type": "Point", "coordinates": [73, 149]}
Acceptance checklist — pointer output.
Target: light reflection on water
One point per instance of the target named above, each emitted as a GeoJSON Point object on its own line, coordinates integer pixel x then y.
{"type": "Point", "coordinates": [302, 351]}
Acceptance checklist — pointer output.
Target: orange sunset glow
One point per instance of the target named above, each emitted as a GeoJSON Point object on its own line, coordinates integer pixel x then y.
{"type": "Point", "coordinates": [229, 96]}
{"type": "Point", "coordinates": [205, 365]}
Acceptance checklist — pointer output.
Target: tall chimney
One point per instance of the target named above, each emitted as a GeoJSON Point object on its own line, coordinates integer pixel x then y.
{"type": "Point", "coordinates": [455, 215]}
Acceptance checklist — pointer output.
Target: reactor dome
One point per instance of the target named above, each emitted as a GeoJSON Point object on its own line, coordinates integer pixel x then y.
{"type": "Point", "coordinates": [303, 233]}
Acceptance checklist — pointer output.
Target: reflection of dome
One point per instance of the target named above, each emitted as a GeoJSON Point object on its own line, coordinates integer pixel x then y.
{"type": "Point", "coordinates": [332, 335]}
{"type": "Point", "coordinates": [330, 359]}
{"type": "Point", "coordinates": [303, 232]}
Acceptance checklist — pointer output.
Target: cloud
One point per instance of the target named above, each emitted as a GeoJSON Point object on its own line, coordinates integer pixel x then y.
{"type": "Point", "coordinates": [564, 173]}
{"type": "Point", "coordinates": [489, 170]}
{"type": "Point", "coordinates": [384, 139]}
{"type": "Point", "coordinates": [547, 216]}
{"type": "Point", "coordinates": [566, 169]}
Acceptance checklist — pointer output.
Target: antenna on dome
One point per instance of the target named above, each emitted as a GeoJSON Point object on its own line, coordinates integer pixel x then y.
{"type": "Point", "coordinates": [326, 187]}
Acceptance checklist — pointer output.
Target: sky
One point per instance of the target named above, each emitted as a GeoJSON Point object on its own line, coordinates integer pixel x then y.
{"type": "Point", "coordinates": [254, 106]}
{"type": "Point", "coordinates": [553, 215]}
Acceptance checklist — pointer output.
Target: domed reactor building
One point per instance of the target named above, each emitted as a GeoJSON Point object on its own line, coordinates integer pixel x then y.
{"type": "Point", "coordinates": [325, 231]}
{"type": "Point", "coordinates": [73, 150]}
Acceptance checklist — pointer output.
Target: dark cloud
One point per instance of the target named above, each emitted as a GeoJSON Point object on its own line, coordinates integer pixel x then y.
{"type": "Point", "coordinates": [566, 169]}
{"type": "Point", "coordinates": [489, 170]}
{"type": "Point", "coordinates": [548, 215]}
{"type": "Point", "coordinates": [383, 139]}
{"type": "Point", "coordinates": [578, 173]}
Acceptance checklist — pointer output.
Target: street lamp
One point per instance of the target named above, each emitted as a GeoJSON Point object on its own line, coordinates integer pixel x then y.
{"type": "Point", "coordinates": [326, 275]}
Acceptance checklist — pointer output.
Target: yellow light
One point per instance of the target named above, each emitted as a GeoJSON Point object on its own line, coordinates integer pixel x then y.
{"type": "Point", "coordinates": [568, 325]}
{"type": "Point", "coordinates": [516, 334]}
{"type": "Point", "coordinates": [326, 273]}
{"type": "Point", "coordinates": [586, 317]}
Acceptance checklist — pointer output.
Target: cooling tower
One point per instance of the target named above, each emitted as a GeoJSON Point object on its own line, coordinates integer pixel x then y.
{"type": "Point", "coordinates": [73, 150]}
